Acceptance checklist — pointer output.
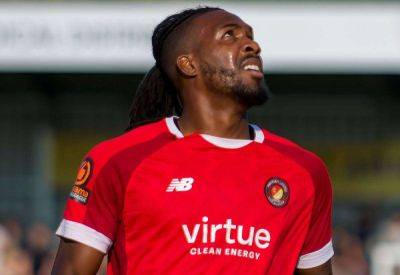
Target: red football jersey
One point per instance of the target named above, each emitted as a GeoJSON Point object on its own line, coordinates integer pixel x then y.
{"type": "Point", "coordinates": [160, 203]}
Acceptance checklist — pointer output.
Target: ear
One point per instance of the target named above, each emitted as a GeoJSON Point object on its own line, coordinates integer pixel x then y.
{"type": "Point", "coordinates": [186, 65]}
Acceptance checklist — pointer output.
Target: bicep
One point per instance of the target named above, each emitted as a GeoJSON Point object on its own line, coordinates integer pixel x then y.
{"type": "Point", "coordinates": [324, 269]}
{"type": "Point", "coordinates": [74, 258]}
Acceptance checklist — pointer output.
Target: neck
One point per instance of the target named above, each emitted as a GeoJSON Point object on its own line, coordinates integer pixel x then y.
{"type": "Point", "coordinates": [221, 118]}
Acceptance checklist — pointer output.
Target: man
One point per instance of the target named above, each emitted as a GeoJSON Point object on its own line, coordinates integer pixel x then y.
{"type": "Point", "coordinates": [205, 192]}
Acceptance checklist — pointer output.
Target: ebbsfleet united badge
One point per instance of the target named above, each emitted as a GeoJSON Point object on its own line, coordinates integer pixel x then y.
{"type": "Point", "coordinates": [79, 193]}
{"type": "Point", "coordinates": [277, 192]}
{"type": "Point", "coordinates": [84, 172]}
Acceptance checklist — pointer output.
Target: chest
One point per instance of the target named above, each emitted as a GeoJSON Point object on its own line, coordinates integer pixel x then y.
{"type": "Point", "coordinates": [248, 187]}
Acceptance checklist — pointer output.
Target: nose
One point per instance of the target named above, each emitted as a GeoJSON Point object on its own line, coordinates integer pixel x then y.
{"type": "Point", "coordinates": [251, 46]}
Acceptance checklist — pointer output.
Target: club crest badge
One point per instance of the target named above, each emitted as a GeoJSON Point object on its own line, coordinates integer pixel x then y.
{"type": "Point", "coordinates": [79, 193]}
{"type": "Point", "coordinates": [277, 192]}
{"type": "Point", "coordinates": [84, 172]}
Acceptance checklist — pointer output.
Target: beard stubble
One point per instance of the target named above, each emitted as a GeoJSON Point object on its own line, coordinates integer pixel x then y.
{"type": "Point", "coordinates": [229, 83]}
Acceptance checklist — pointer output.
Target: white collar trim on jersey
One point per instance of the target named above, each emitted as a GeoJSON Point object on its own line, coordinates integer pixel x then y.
{"type": "Point", "coordinates": [229, 143]}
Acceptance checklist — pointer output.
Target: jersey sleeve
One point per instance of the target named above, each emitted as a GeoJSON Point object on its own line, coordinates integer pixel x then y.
{"type": "Point", "coordinates": [317, 248]}
{"type": "Point", "coordinates": [92, 211]}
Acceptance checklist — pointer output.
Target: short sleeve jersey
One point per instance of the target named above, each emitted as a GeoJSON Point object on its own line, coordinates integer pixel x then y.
{"type": "Point", "coordinates": [158, 202]}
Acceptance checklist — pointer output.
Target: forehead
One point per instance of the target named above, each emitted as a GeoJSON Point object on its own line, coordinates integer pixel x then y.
{"type": "Point", "coordinates": [211, 22]}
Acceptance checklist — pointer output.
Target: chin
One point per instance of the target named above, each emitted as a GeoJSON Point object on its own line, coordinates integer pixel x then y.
{"type": "Point", "coordinates": [253, 94]}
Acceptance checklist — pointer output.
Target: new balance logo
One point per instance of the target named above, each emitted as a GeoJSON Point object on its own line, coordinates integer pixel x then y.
{"type": "Point", "coordinates": [180, 185]}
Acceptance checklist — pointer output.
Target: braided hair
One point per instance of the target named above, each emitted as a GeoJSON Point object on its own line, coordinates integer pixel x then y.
{"type": "Point", "coordinates": [156, 97]}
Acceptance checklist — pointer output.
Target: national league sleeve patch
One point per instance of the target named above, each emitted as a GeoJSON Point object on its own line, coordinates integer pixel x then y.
{"type": "Point", "coordinates": [79, 193]}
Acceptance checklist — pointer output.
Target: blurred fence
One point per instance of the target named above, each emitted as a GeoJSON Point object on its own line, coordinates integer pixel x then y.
{"type": "Point", "coordinates": [51, 121]}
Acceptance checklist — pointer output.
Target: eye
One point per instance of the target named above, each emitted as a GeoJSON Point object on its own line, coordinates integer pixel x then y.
{"type": "Point", "coordinates": [228, 34]}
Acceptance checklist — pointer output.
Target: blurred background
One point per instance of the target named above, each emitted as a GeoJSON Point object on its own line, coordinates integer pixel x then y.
{"type": "Point", "coordinates": [68, 70]}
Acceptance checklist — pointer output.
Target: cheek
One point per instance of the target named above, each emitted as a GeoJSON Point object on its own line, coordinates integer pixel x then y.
{"type": "Point", "coordinates": [231, 60]}
{"type": "Point", "coordinates": [222, 58]}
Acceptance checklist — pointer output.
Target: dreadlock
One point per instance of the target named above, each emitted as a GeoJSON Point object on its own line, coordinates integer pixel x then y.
{"type": "Point", "coordinates": [156, 97]}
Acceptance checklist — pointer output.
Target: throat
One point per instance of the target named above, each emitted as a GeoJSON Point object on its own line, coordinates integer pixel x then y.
{"type": "Point", "coordinates": [251, 132]}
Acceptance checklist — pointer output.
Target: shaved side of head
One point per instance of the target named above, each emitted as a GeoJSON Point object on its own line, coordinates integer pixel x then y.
{"type": "Point", "coordinates": [180, 40]}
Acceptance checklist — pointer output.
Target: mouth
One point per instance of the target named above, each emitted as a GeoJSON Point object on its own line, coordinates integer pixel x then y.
{"type": "Point", "coordinates": [254, 66]}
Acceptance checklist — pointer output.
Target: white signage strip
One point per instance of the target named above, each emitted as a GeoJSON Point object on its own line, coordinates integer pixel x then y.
{"type": "Point", "coordinates": [115, 37]}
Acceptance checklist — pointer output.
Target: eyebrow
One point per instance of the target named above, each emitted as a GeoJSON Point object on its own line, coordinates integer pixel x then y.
{"type": "Point", "coordinates": [237, 26]}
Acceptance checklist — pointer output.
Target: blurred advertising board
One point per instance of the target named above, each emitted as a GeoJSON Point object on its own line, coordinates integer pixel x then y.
{"type": "Point", "coordinates": [115, 36]}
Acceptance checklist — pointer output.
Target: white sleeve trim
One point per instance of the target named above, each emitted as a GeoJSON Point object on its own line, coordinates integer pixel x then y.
{"type": "Point", "coordinates": [84, 234]}
{"type": "Point", "coordinates": [316, 258]}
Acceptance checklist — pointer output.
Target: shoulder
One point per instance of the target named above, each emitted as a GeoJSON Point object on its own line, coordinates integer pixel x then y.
{"type": "Point", "coordinates": [306, 159]}
{"type": "Point", "coordinates": [139, 140]}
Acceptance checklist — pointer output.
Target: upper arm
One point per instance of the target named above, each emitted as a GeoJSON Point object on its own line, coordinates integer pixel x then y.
{"type": "Point", "coordinates": [317, 247]}
{"type": "Point", "coordinates": [74, 258]}
{"type": "Point", "coordinates": [324, 269]}
{"type": "Point", "coordinates": [90, 223]}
